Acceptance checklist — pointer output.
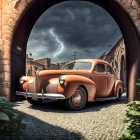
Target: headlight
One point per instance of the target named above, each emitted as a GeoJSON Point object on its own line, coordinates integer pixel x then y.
{"type": "Point", "coordinates": [61, 80]}
{"type": "Point", "coordinates": [21, 80]}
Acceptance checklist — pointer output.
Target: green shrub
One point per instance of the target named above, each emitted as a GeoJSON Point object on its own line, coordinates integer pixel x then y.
{"type": "Point", "coordinates": [133, 115]}
{"type": "Point", "coordinates": [10, 121]}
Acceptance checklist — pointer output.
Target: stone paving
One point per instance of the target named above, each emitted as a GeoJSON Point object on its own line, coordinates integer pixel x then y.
{"type": "Point", "coordinates": [97, 121]}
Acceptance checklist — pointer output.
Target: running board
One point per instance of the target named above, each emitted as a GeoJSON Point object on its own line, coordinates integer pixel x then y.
{"type": "Point", "coordinates": [105, 99]}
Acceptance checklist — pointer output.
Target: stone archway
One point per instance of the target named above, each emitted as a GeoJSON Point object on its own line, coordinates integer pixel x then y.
{"type": "Point", "coordinates": [18, 18]}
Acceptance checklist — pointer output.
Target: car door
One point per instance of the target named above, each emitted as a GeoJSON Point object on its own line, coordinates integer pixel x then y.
{"type": "Point", "coordinates": [100, 78]}
{"type": "Point", "coordinates": [110, 81]}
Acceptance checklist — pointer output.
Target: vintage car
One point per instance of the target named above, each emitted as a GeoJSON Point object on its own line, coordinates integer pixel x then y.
{"type": "Point", "coordinates": [78, 82]}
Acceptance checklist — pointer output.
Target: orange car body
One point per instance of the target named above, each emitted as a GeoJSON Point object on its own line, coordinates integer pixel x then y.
{"type": "Point", "coordinates": [97, 84]}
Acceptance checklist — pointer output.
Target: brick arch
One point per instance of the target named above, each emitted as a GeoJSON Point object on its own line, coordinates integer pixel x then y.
{"type": "Point", "coordinates": [18, 18]}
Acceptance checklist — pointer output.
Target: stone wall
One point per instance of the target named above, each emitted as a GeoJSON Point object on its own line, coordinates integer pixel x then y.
{"type": "Point", "coordinates": [115, 57]}
{"type": "Point", "coordinates": [10, 12]}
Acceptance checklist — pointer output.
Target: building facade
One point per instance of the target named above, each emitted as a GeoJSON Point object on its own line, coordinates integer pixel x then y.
{"type": "Point", "coordinates": [40, 64]}
{"type": "Point", "coordinates": [117, 59]}
{"type": "Point", "coordinates": [32, 66]}
{"type": "Point", "coordinates": [46, 62]}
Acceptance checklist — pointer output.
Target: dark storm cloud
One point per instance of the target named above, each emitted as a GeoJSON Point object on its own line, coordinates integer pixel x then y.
{"type": "Point", "coordinates": [82, 27]}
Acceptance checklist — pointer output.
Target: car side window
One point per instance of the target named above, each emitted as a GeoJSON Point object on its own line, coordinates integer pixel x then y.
{"type": "Point", "coordinates": [99, 68]}
{"type": "Point", "coordinates": [69, 67]}
{"type": "Point", "coordinates": [109, 71]}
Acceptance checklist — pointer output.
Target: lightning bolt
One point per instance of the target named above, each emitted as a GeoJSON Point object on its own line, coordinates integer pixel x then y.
{"type": "Point", "coordinates": [59, 42]}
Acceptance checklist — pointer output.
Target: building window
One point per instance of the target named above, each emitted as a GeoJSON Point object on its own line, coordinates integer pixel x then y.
{"type": "Point", "coordinates": [29, 73]}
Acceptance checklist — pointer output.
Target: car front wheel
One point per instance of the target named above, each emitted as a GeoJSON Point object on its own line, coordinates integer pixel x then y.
{"type": "Point", "coordinates": [78, 100]}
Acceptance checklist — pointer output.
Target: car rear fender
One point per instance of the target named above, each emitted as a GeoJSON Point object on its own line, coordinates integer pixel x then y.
{"type": "Point", "coordinates": [118, 85]}
{"type": "Point", "coordinates": [72, 82]}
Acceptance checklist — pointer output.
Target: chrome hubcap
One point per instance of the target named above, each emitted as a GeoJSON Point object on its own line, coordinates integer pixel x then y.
{"type": "Point", "coordinates": [77, 98]}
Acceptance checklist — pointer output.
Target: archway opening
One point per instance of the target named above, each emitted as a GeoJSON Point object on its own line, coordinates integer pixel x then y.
{"type": "Point", "coordinates": [54, 42]}
{"type": "Point", "coordinates": [33, 12]}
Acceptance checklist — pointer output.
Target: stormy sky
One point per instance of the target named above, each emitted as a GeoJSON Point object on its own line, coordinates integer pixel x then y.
{"type": "Point", "coordinates": [73, 26]}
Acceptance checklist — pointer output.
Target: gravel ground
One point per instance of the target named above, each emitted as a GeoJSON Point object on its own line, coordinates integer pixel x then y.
{"type": "Point", "coordinates": [97, 121]}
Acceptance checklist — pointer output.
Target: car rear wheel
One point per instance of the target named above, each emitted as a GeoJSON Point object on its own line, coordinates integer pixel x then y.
{"type": "Point", "coordinates": [35, 102]}
{"type": "Point", "coordinates": [78, 100]}
{"type": "Point", "coordinates": [119, 94]}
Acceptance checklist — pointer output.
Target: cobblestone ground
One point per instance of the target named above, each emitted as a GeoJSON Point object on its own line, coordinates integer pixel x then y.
{"type": "Point", "coordinates": [97, 121]}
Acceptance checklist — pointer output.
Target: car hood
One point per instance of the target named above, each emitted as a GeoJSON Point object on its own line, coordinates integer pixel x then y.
{"type": "Point", "coordinates": [44, 73]}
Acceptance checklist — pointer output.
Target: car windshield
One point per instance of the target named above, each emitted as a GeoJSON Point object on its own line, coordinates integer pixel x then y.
{"type": "Point", "coordinates": [78, 66]}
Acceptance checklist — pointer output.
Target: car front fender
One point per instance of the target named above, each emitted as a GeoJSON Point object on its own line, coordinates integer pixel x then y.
{"type": "Point", "coordinates": [72, 82]}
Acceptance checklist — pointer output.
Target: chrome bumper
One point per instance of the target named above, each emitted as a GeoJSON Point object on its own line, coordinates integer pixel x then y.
{"type": "Point", "coordinates": [41, 95]}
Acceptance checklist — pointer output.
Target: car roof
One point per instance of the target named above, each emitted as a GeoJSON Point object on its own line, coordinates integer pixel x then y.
{"type": "Point", "coordinates": [92, 61]}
